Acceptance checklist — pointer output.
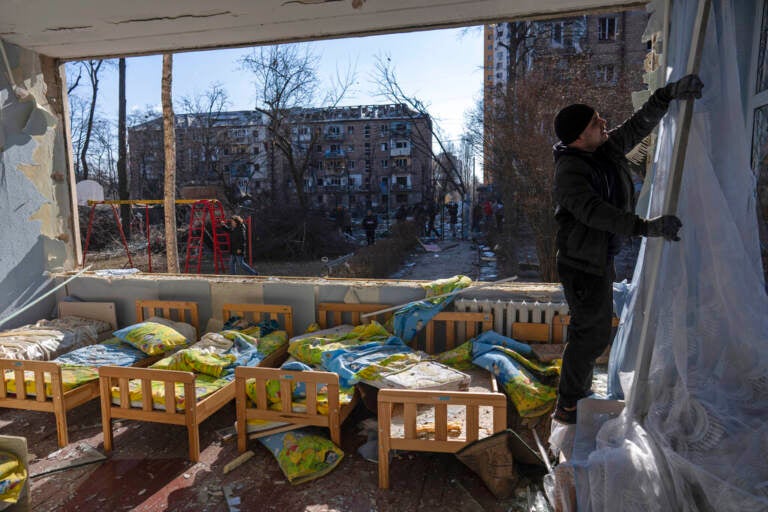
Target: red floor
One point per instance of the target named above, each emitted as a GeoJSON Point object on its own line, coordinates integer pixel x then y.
{"type": "Point", "coordinates": [148, 471]}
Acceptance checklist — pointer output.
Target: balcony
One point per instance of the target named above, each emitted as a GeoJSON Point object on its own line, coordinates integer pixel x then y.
{"type": "Point", "coordinates": [395, 151]}
{"type": "Point", "coordinates": [400, 129]}
{"type": "Point", "coordinates": [399, 187]}
{"type": "Point", "coordinates": [334, 153]}
{"type": "Point", "coordinates": [334, 135]}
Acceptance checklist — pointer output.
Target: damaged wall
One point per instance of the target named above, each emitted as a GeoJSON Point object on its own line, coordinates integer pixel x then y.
{"type": "Point", "coordinates": [35, 199]}
{"type": "Point", "coordinates": [302, 294]}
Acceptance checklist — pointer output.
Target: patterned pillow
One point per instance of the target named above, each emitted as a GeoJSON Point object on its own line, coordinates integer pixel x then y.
{"type": "Point", "coordinates": [151, 338]}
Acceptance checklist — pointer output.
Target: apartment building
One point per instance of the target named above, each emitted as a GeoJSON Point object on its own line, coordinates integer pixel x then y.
{"type": "Point", "coordinates": [612, 42]}
{"type": "Point", "coordinates": [369, 156]}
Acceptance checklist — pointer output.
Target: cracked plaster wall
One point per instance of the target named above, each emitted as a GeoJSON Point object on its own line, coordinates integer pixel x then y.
{"type": "Point", "coordinates": [36, 223]}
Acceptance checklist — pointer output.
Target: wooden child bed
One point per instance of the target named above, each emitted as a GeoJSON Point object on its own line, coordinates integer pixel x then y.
{"type": "Point", "coordinates": [457, 327]}
{"type": "Point", "coordinates": [60, 401]}
{"type": "Point", "coordinates": [195, 411]}
{"type": "Point", "coordinates": [470, 409]}
{"type": "Point", "coordinates": [329, 314]}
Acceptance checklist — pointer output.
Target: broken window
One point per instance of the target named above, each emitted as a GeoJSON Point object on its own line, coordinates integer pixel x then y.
{"type": "Point", "coordinates": [607, 28]}
{"type": "Point", "coordinates": [605, 73]}
{"type": "Point", "coordinates": [558, 29]}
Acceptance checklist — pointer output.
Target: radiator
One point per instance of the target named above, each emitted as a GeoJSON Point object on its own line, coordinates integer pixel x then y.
{"type": "Point", "coordinates": [510, 317]}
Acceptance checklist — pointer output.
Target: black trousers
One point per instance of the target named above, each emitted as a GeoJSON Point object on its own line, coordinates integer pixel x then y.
{"type": "Point", "coordinates": [590, 300]}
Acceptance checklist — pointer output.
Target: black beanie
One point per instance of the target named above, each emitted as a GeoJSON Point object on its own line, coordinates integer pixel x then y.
{"type": "Point", "coordinates": [571, 121]}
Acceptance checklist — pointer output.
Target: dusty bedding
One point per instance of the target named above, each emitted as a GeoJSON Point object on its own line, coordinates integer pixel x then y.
{"type": "Point", "coordinates": [80, 366]}
{"type": "Point", "coordinates": [232, 348]}
{"type": "Point", "coordinates": [48, 339]}
{"type": "Point", "coordinates": [480, 382]}
{"type": "Point", "coordinates": [72, 377]}
{"type": "Point", "coordinates": [111, 352]}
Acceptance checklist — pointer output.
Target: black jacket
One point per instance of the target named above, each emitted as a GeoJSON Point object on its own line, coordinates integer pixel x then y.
{"type": "Point", "coordinates": [237, 238]}
{"type": "Point", "coordinates": [594, 192]}
{"type": "Point", "coordinates": [370, 223]}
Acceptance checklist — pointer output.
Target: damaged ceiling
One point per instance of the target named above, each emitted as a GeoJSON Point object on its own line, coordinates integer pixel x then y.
{"type": "Point", "coordinates": [75, 29]}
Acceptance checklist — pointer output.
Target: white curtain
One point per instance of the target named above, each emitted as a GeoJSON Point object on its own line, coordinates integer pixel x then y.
{"type": "Point", "coordinates": [704, 443]}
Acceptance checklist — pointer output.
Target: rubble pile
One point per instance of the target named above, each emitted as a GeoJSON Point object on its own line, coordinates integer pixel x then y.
{"type": "Point", "coordinates": [294, 235]}
{"type": "Point", "coordinates": [104, 232]}
{"type": "Point", "coordinates": [384, 257]}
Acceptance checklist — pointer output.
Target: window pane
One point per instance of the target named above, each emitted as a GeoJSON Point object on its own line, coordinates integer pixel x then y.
{"type": "Point", "coordinates": [762, 57]}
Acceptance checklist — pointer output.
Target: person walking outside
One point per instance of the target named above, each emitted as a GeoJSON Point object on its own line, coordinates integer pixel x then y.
{"type": "Point", "coordinates": [453, 216]}
{"type": "Point", "coordinates": [370, 223]}
{"type": "Point", "coordinates": [237, 243]}
{"type": "Point", "coordinates": [594, 210]}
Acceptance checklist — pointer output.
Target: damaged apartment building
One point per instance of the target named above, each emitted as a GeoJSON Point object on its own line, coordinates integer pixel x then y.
{"type": "Point", "coordinates": [690, 432]}
{"type": "Point", "coordinates": [359, 157]}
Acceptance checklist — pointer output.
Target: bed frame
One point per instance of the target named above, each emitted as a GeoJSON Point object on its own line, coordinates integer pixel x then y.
{"type": "Point", "coordinates": [60, 402]}
{"type": "Point", "coordinates": [452, 328]}
{"type": "Point", "coordinates": [329, 314]}
{"type": "Point", "coordinates": [456, 327]}
{"type": "Point", "coordinates": [349, 313]}
{"type": "Point", "coordinates": [195, 412]}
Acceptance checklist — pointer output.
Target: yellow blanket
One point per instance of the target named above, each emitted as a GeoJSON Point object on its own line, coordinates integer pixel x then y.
{"type": "Point", "coordinates": [204, 386]}
{"type": "Point", "coordinates": [71, 377]}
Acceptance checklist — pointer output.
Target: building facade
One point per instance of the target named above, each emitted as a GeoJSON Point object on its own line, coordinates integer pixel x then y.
{"type": "Point", "coordinates": [370, 156]}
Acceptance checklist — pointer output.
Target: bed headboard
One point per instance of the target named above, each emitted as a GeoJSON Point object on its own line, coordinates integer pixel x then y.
{"type": "Point", "coordinates": [448, 329]}
{"type": "Point", "coordinates": [349, 313]}
{"type": "Point", "coordinates": [258, 312]}
{"type": "Point", "coordinates": [178, 311]}
{"type": "Point", "coordinates": [104, 311]}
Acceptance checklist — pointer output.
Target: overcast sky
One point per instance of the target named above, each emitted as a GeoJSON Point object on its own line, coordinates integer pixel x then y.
{"type": "Point", "coordinates": [440, 67]}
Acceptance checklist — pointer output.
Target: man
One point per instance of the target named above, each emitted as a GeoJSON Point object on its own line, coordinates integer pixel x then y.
{"type": "Point", "coordinates": [453, 216]}
{"type": "Point", "coordinates": [237, 240]}
{"type": "Point", "coordinates": [595, 210]}
{"type": "Point", "coordinates": [370, 223]}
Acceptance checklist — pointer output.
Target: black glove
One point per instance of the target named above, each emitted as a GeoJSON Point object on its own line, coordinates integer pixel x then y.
{"type": "Point", "coordinates": [666, 226]}
{"type": "Point", "coordinates": [688, 87]}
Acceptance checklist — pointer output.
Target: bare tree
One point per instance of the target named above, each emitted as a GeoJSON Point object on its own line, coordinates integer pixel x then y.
{"type": "Point", "coordinates": [147, 158]}
{"type": "Point", "coordinates": [92, 69]}
{"type": "Point", "coordinates": [169, 190]}
{"type": "Point", "coordinates": [206, 140]}
{"type": "Point", "coordinates": [287, 82]}
{"type": "Point", "coordinates": [122, 172]}
{"type": "Point", "coordinates": [518, 139]}
{"type": "Point", "coordinates": [389, 88]}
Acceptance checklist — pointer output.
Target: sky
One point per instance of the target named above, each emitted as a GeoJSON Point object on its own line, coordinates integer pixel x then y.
{"type": "Point", "coordinates": [443, 68]}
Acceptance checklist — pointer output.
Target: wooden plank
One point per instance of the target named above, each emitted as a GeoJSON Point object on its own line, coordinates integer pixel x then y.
{"type": "Point", "coordinates": [21, 389]}
{"type": "Point", "coordinates": [531, 332]}
{"type": "Point", "coordinates": [40, 385]}
{"type": "Point", "coordinates": [426, 445]}
{"type": "Point", "coordinates": [146, 395]}
{"type": "Point", "coordinates": [106, 409]}
{"type": "Point", "coordinates": [472, 418]}
{"type": "Point", "coordinates": [384, 410]}
{"type": "Point", "coordinates": [155, 416]}
{"type": "Point", "coordinates": [241, 403]}
{"type": "Point", "coordinates": [409, 420]}
{"type": "Point", "coordinates": [441, 422]}
{"type": "Point", "coordinates": [187, 311]}
{"type": "Point", "coordinates": [170, 397]}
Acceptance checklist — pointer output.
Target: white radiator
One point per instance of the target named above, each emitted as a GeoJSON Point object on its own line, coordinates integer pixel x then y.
{"type": "Point", "coordinates": [506, 313]}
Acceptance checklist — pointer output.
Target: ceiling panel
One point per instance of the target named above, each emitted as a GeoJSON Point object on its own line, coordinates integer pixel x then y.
{"type": "Point", "coordinates": [72, 29]}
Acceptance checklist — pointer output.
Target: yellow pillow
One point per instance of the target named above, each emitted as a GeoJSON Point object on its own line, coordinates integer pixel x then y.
{"type": "Point", "coordinates": [151, 338]}
{"type": "Point", "coordinates": [191, 360]}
